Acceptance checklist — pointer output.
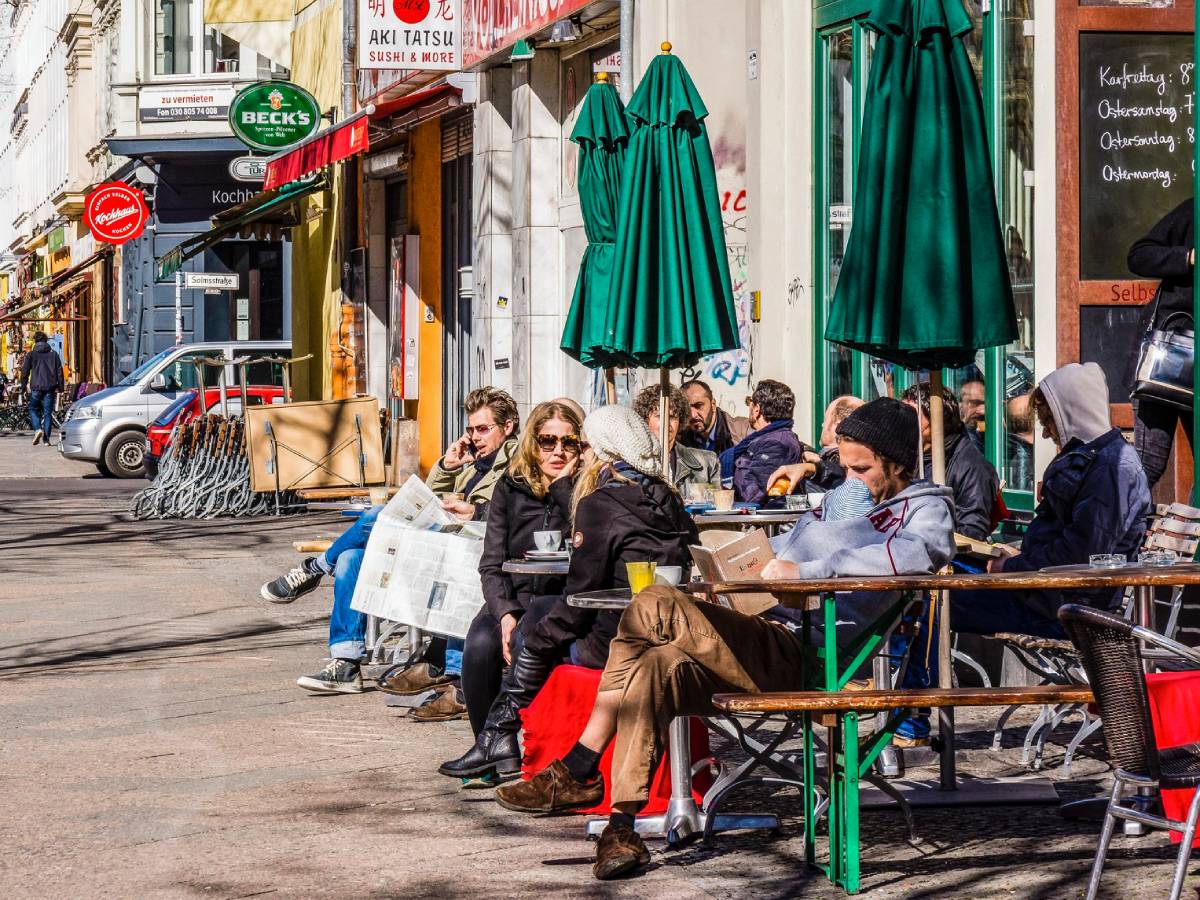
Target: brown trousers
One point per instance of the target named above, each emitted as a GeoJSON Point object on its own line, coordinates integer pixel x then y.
{"type": "Point", "coordinates": [670, 655]}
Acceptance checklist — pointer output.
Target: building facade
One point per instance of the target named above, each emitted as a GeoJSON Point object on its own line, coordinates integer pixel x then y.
{"type": "Point", "coordinates": [135, 91]}
{"type": "Point", "coordinates": [439, 250]}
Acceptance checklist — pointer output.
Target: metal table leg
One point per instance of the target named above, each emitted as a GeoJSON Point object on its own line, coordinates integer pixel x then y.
{"type": "Point", "coordinates": [684, 821]}
{"type": "Point", "coordinates": [1144, 600]}
{"type": "Point", "coordinates": [889, 762]}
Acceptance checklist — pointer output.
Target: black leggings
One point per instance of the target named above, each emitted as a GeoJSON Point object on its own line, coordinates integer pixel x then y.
{"type": "Point", "coordinates": [1154, 434]}
{"type": "Point", "coordinates": [483, 659]}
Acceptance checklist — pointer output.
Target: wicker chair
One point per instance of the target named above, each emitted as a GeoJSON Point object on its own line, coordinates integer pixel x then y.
{"type": "Point", "coordinates": [1110, 652]}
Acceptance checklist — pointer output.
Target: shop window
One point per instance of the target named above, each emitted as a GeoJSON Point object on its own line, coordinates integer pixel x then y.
{"type": "Point", "coordinates": [1000, 379]}
{"type": "Point", "coordinates": [173, 37]}
{"type": "Point", "coordinates": [184, 44]}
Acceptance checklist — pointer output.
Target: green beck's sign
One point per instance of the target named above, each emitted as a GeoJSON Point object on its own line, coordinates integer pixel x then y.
{"type": "Point", "coordinates": [272, 115]}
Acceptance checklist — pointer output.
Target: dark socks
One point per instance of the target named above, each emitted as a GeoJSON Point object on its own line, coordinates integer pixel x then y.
{"type": "Point", "coordinates": [620, 820]}
{"type": "Point", "coordinates": [582, 763]}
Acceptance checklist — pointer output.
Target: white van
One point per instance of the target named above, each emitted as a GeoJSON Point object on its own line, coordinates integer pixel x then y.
{"type": "Point", "coordinates": [108, 428]}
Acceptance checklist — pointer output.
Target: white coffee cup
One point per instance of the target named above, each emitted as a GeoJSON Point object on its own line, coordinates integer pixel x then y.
{"type": "Point", "coordinates": [547, 540]}
{"type": "Point", "coordinates": [668, 575]}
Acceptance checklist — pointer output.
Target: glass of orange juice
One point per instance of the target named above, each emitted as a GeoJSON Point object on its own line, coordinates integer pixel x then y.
{"type": "Point", "coordinates": [641, 576]}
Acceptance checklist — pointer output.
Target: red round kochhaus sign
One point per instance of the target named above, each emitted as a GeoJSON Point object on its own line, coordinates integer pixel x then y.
{"type": "Point", "coordinates": [115, 212]}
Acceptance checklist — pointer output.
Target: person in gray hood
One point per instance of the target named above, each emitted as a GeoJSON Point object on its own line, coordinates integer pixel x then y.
{"type": "Point", "coordinates": [1094, 499]}
{"type": "Point", "coordinates": [672, 651]}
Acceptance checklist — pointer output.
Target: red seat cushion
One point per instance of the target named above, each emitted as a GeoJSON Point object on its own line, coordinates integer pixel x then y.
{"type": "Point", "coordinates": [556, 718]}
{"type": "Point", "coordinates": [1175, 710]}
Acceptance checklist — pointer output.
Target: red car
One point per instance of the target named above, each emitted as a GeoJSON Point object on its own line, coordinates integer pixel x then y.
{"type": "Point", "coordinates": [158, 435]}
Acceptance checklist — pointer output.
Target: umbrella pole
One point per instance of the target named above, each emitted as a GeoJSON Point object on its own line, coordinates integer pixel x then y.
{"type": "Point", "coordinates": [937, 439]}
{"type": "Point", "coordinates": [610, 386]}
{"type": "Point", "coordinates": [664, 410]}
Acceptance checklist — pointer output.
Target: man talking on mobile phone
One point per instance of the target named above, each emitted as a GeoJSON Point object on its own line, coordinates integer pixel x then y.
{"type": "Point", "coordinates": [473, 464]}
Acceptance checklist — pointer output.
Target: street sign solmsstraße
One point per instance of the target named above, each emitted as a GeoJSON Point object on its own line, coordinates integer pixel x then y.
{"type": "Point", "coordinates": [212, 280]}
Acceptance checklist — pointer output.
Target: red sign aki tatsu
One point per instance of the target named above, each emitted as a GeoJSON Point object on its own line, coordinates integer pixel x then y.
{"type": "Point", "coordinates": [115, 212]}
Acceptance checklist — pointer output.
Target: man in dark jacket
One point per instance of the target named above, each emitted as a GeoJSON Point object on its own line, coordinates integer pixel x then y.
{"type": "Point", "coordinates": [1094, 499]}
{"type": "Point", "coordinates": [708, 426]}
{"type": "Point", "coordinates": [971, 477]}
{"type": "Point", "coordinates": [747, 466]}
{"type": "Point", "coordinates": [1167, 253]}
{"type": "Point", "coordinates": [42, 375]}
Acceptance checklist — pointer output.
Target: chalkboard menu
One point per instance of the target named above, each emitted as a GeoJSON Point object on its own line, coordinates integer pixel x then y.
{"type": "Point", "coordinates": [1108, 335]}
{"type": "Point", "coordinates": [1135, 141]}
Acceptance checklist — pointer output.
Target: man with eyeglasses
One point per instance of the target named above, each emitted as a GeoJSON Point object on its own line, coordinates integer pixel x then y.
{"type": "Point", "coordinates": [471, 467]}
{"type": "Point", "coordinates": [473, 464]}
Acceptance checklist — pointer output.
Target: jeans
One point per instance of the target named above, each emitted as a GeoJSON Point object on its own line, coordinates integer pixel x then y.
{"type": "Point", "coordinates": [353, 538]}
{"type": "Point", "coordinates": [41, 405]}
{"type": "Point", "coordinates": [347, 627]}
{"type": "Point", "coordinates": [1154, 435]}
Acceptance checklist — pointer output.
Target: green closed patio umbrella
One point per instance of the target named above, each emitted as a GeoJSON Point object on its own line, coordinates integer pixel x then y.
{"type": "Point", "coordinates": [925, 280]}
{"type": "Point", "coordinates": [602, 133]}
{"type": "Point", "coordinates": [671, 300]}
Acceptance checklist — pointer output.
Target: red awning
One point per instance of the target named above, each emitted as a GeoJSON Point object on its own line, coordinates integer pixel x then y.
{"type": "Point", "coordinates": [337, 142]}
{"type": "Point", "coordinates": [389, 108]}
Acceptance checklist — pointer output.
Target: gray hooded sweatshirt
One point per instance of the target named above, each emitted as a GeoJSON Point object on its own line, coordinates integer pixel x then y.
{"type": "Point", "coordinates": [910, 534]}
{"type": "Point", "coordinates": [1077, 395]}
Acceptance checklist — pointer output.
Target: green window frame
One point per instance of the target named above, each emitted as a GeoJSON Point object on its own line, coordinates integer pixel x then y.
{"type": "Point", "coordinates": [839, 17]}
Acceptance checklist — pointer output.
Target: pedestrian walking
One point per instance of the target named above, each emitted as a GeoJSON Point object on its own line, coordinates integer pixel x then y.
{"type": "Point", "coordinates": [42, 376]}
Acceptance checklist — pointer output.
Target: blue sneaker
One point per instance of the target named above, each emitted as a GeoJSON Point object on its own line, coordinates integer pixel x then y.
{"type": "Point", "coordinates": [912, 732]}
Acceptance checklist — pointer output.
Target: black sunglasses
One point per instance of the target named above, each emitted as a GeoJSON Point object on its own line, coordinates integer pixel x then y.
{"type": "Point", "coordinates": [570, 443]}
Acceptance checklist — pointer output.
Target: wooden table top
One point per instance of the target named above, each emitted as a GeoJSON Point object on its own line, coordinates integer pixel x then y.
{"type": "Point", "coordinates": [793, 592]}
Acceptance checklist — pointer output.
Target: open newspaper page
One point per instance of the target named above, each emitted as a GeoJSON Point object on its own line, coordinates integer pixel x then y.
{"type": "Point", "coordinates": [415, 573]}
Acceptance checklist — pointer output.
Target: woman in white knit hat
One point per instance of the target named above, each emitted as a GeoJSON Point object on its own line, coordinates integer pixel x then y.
{"type": "Point", "coordinates": [623, 512]}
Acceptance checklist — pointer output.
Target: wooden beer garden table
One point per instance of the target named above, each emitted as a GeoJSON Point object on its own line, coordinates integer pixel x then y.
{"type": "Point", "coordinates": [846, 764]}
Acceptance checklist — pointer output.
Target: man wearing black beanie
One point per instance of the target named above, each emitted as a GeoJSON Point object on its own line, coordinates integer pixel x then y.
{"type": "Point", "coordinates": [673, 651]}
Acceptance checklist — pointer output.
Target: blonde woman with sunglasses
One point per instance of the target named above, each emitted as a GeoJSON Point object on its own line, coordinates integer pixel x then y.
{"type": "Point", "coordinates": [547, 452]}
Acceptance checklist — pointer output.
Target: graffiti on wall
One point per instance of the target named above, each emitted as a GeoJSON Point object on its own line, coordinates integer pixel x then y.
{"type": "Point", "coordinates": [728, 373]}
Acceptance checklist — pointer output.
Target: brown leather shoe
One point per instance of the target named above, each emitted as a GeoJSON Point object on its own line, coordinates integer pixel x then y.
{"type": "Point", "coordinates": [407, 680]}
{"type": "Point", "coordinates": [445, 707]}
{"type": "Point", "coordinates": [551, 790]}
{"type": "Point", "coordinates": [619, 852]}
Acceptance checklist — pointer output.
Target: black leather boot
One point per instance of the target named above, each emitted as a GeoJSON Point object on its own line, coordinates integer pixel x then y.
{"type": "Point", "coordinates": [496, 747]}
{"type": "Point", "coordinates": [525, 677]}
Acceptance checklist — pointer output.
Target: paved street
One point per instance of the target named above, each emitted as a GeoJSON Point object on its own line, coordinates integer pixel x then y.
{"type": "Point", "coordinates": [154, 745]}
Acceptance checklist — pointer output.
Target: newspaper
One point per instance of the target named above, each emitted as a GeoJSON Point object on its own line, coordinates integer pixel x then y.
{"type": "Point", "coordinates": [421, 566]}
{"type": "Point", "coordinates": [416, 505]}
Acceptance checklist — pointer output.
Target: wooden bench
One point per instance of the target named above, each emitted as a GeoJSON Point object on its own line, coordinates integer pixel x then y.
{"type": "Point", "coordinates": [339, 493]}
{"type": "Point", "coordinates": [877, 700]}
{"type": "Point", "coordinates": [846, 765]}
